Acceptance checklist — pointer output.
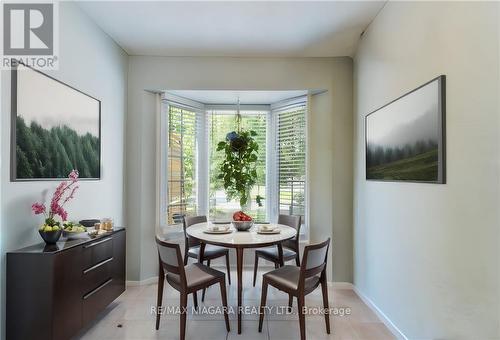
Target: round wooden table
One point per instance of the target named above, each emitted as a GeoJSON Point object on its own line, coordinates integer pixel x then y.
{"type": "Point", "coordinates": [241, 240]}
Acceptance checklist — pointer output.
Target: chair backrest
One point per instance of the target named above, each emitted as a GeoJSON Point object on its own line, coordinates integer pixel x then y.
{"type": "Point", "coordinates": [314, 260]}
{"type": "Point", "coordinates": [189, 221]}
{"type": "Point", "coordinates": [290, 220]}
{"type": "Point", "coordinates": [294, 222]}
{"type": "Point", "coordinates": [170, 258]}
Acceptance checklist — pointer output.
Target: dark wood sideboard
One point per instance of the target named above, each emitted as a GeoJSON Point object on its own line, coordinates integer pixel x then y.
{"type": "Point", "coordinates": [54, 291]}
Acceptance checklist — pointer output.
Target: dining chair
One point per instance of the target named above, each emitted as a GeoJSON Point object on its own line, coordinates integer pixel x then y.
{"type": "Point", "coordinates": [290, 247]}
{"type": "Point", "coordinates": [299, 282]}
{"type": "Point", "coordinates": [185, 279]}
{"type": "Point", "coordinates": [192, 248]}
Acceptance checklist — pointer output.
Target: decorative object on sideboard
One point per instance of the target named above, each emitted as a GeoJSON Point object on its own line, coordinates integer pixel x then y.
{"type": "Point", "coordinates": [51, 229]}
{"type": "Point", "coordinates": [54, 128]}
{"type": "Point", "coordinates": [107, 224]}
{"type": "Point", "coordinates": [72, 230]}
{"type": "Point", "coordinates": [89, 223]}
{"type": "Point", "coordinates": [405, 139]}
{"type": "Point", "coordinates": [50, 237]}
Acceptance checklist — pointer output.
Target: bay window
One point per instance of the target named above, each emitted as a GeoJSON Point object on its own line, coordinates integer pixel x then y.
{"type": "Point", "coordinates": [191, 166]}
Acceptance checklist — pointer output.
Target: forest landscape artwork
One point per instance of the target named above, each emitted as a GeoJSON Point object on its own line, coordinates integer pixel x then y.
{"type": "Point", "coordinates": [405, 138]}
{"type": "Point", "coordinates": [57, 128]}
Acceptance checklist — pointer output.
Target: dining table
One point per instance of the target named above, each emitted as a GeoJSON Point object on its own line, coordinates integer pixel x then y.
{"type": "Point", "coordinates": [241, 240]}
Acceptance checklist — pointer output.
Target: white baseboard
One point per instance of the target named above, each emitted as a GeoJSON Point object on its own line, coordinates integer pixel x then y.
{"type": "Point", "coordinates": [340, 285]}
{"type": "Point", "coordinates": [130, 283]}
{"type": "Point", "coordinates": [387, 322]}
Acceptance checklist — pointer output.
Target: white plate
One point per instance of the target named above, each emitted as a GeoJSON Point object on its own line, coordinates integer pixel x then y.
{"type": "Point", "coordinates": [207, 231]}
{"type": "Point", "coordinates": [274, 231]}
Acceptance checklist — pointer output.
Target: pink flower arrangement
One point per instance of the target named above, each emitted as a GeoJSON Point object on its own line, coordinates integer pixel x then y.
{"type": "Point", "coordinates": [65, 191]}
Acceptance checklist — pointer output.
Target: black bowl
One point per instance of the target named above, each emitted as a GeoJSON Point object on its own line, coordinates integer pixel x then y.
{"type": "Point", "coordinates": [89, 223]}
{"type": "Point", "coordinates": [50, 237]}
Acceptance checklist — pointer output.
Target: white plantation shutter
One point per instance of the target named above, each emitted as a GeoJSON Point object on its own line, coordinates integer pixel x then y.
{"type": "Point", "coordinates": [182, 163]}
{"type": "Point", "coordinates": [290, 123]}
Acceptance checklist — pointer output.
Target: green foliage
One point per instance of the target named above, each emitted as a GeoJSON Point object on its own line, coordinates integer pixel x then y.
{"type": "Point", "coordinates": [422, 167]}
{"type": "Point", "coordinates": [259, 200]}
{"type": "Point", "coordinates": [239, 167]}
{"type": "Point", "coordinates": [43, 153]}
{"type": "Point", "coordinates": [51, 222]}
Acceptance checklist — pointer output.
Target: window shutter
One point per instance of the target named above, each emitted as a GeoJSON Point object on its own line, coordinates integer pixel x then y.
{"type": "Point", "coordinates": [182, 149]}
{"type": "Point", "coordinates": [291, 158]}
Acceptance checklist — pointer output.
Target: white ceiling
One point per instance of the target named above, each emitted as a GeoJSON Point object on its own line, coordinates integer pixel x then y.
{"type": "Point", "coordinates": [231, 97]}
{"type": "Point", "coordinates": [234, 28]}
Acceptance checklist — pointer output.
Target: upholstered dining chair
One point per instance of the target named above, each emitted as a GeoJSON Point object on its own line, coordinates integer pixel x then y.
{"type": "Point", "coordinates": [299, 282]}
{"type": "Point", "coordinates": [192, 248]}
{"type": "Point", "coordinates": [185, 279]}
{"type": "Point", "coordinates": [290, 247]}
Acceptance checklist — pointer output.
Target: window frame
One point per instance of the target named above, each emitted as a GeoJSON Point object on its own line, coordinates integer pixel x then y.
{"type": "Point", "coordinates": [168, 100]}
{"type": "Point", "coordinates": [275, 109]}
{"type": "Point", "coordinates": [202, 166]}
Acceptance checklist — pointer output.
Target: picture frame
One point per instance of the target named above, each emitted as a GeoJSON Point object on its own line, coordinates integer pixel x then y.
{"type": "Point", "coordinates": [405, 139]}
{"type": "Point", "coordinates": [58, 112]}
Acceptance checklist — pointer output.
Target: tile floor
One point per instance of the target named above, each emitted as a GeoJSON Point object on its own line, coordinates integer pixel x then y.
{"type": "Point", "coordinates": [131, 316]}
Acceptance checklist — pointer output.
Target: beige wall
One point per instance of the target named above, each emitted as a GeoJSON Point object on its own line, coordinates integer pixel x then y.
{"type": "Point", "coordinates": [428, 255]}
{"type": "Point", "coordinates": [330, 140]}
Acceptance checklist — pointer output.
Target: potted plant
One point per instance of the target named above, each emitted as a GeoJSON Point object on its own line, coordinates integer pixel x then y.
{"type": "Point", "coordinates": [51, 230]}
{"type": "Point", "coordinates": [238, 169]}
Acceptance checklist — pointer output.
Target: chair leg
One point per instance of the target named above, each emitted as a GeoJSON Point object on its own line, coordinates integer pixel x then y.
{"type": "Point", "coordinates": [302, 321]}
{"type": "Point", "coordinates": [186, 252]}
{"type": "Point", "coordinates": [183, 305]}
{"type": "Point", "coordinates": [224, 302]}
{"type": "Point", "coordinates": [276, 265]}
{"type": "Point", "coordinates": [263, 299]}
{"type": "Point", "coordinates": [255, 265]}
{"type": "Point", "coordinates": [195, 300]}
{"type": "Point", "coordinates": [204, 289]}
{"type": "Point", "coordinates": [297, 259]}
{"type": "Point", "coordinates": [324, 290]}
{"type": "Point", "coordinates": [228, 268]}
{"type": "Point", "coordinates": [161, 280]}
{"type": "Point", "coordinates": [290, 302]}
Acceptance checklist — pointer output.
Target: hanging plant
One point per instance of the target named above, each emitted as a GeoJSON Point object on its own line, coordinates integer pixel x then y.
{"type": "Point", "coordinates": [238, 169]}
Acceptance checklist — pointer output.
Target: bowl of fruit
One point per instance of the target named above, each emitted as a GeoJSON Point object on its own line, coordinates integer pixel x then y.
{"type": "Point", "coordinates": [73, 230]}
{"type": "Point", "coordinates": [50, 233]}
{"type": "Point", "coordinates": [241, 221]}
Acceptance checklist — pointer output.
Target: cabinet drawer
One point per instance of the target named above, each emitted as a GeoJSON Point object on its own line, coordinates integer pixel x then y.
{"type": "Point", "coordinates": [97, 274]}
{"type": "Point", "coordinates": [97, 251]}
{"type": "Point", "coordinates": [96, 300]}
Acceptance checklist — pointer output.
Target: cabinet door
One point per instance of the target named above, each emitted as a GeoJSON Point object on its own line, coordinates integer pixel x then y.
{"type": "Point", "coordinates": [119, 263]}
{"type": "Point", "coordinates": [67, 293]}
{"type": "Point", "coordinates": [29, 296]}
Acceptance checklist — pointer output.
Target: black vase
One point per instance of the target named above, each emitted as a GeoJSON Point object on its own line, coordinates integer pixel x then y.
{"type": "Point", "coordinates": [50, 237]}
